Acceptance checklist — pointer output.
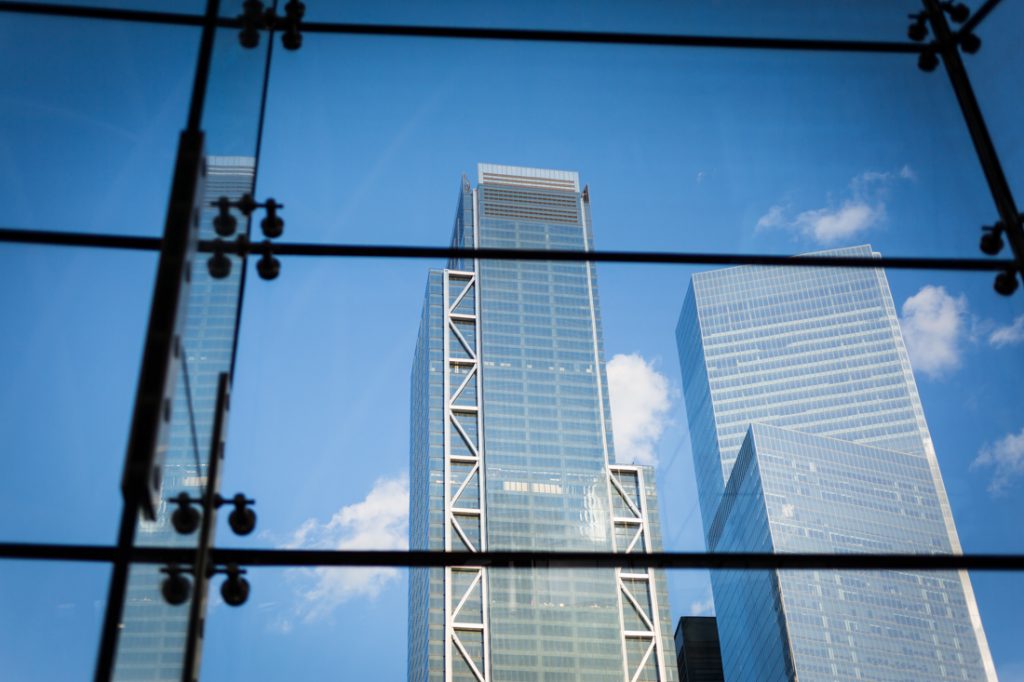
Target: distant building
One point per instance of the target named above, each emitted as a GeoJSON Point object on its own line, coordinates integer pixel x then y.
{"type": "Point", "coordinates": [700, 659]}
{"type": "Point", "coordinates": [511, 449]}
{"type": "Point", "coordinates": [808, 436]}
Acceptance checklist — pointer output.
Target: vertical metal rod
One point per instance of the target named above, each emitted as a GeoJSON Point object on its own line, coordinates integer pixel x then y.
{"type": "Point", "coordinates": [997, 184]}
{"type": "Point", "coordinates": [197, 610]}
{"type": "Point", "coordinates": [116, 593]}
{"type": "Point", "coordinates": [243, 256]}
{"type": "Point", "coordinates": [202, 77]}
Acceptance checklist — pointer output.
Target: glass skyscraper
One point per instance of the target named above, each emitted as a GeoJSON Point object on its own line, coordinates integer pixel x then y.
{"type": "Point", "coordinates": [152, 641]}
{"type": "Point", "coordinates": [697, 650]}
{"type": "Point", "coordinates": [511, 449]}
{"type": "Point", "coordinates": [808, 436]}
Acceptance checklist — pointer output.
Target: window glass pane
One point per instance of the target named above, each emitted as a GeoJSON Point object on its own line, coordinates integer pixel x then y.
{"type": "Point", "coordinates": [74, 326]}
{"type": "Point", "coordinates": [46, 602]}
{"type": "Point", "coordinates": [310, 626]}
{"type": "Point", "coordinates": [683, 149]}
{"type": "Point", "coordinates": [91, 117]}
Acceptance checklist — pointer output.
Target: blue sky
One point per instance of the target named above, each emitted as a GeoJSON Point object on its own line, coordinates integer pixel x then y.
{"type": "Point", "coordinates": [365, 141]}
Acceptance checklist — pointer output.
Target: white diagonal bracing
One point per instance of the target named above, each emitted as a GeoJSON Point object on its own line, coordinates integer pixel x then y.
{"type": "Point", "coordinates": [638, 596]}
{"type": "Point", "coordinates": [465, 587]}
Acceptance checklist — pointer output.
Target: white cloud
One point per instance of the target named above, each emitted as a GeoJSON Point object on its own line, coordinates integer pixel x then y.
{"type": "Point", "coordinates": [861, 209]}
{"type": "Point", "coordinates": [640, 402]}
{"type": "Point", "coordinates": [828, 226]}
{"type": "Point", "coordinates": [775, 217]}
{"type": "Point", "coordinates": [703, 608]}
{"type": "Point", "coordinates": [1008, 335]}
{"type": "Point", "coordinates": [933, 323]}
{"type": "Point", "coordinates": [1006, 456]}
{"type": "Point", "coordinates": [380, 521]}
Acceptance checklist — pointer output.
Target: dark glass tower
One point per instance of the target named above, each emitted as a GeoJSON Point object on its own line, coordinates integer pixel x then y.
{"type": "Point", "coordinates": [700, 659]}
{"type": "Point", "coordinates": [511, 449]}
{"type": "Point", "coordinates": [809, 436]}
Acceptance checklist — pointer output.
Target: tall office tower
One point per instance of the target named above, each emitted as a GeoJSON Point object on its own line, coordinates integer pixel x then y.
{"type": "Point", "coordinates": [808, 436]}
{"type": "Point", "coordinates": [511, 449]}
{"type": "Point", "coordinates": [700, 659]}
{"type": "Point", "coordinates": [151, 645]}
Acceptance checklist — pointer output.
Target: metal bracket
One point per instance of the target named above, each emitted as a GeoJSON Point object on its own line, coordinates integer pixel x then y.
{"type": "Point", "coordinates": [225, 224]}
{"type": "Point", "coordinates": [255, 18]}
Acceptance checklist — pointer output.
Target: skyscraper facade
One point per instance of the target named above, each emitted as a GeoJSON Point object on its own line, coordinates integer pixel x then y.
{"type": "Point", "coordinates": [700, 659]}
{"type": "Point", "coordinates": [151, 644]}
{"type": "Point", "coordinates": [808, 436]}
{"type": "Point", "coordinates": [511, 449]}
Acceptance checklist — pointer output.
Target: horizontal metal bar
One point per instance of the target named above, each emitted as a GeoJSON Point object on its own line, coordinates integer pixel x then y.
{"type": "Point", "coordinates": [57, 238]}
{"type": "Point", "coordinates": [681, 258]}
{"type": "Point", "coordinates": [614, 38]}
{"type": "Point", "coordinates": [385, 251]}
{"type": "Point", "coordinates": [518, 560]}
{"type": "Point", "coordinates": [477, 33]}
{"type": "Point", "coordinates": [110, 14]}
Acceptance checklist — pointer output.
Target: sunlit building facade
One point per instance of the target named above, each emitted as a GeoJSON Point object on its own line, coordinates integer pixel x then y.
{"type": "Point", "coordinates": [808, 436]}
{"type": "Point", "coordinates": [511, 449]}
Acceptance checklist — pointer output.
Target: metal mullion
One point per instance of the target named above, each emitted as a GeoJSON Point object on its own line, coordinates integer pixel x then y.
{"type": "Point", "coordinates": [99, 240]}
{"type": "Point", "coordinates": [983, 145]}
{"type": "Point", "coordinates": [662, 257]}
{"type": "Point", "coordinates": [105, 13]}
{"type": "Point", "coordinates": [79, 239]}
{"type": "Point", "coordinates": [613, 38]}
{"type": "Point", "coordinates": [523, 559]}
{"type": "Point", "coordinates": [202, 564]}
{"type": "Point", "coordinates": [482, 33]}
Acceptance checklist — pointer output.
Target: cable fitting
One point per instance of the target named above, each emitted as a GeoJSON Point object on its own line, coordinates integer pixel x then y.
{"type": "Point", "coordinates": [256, 18]}
{"type": "Point", "coordinates": [185, 518]}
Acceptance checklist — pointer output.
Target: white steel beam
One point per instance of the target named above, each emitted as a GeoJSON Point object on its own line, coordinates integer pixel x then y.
{"type": "Point", "coordinates": [649, 615]}
{"type": "Point", "coordinates": [458, 511]}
